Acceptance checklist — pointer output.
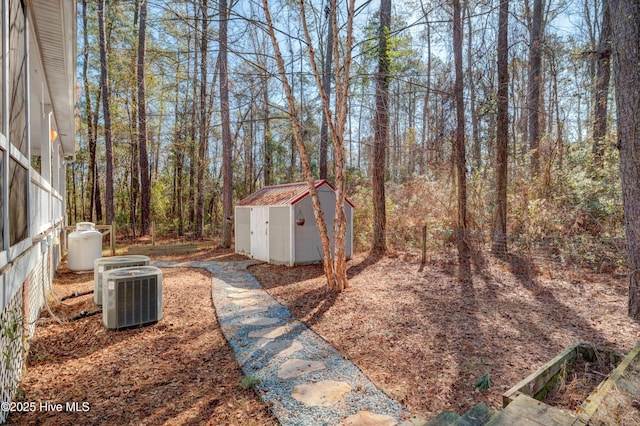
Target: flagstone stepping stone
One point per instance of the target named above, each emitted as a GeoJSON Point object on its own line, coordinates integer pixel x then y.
{"type": "Point", "coordinates": [367, 418]}
{"type": "Point", "coordinates": [269, 332]}
{"type": "Point", "coordinates": [242, 295]}
{"type": "Point", "coordinates": [246, 302]}
{"type": "Point", "coordinates": [283, 347]}
{"type": "Point", "coordinates": [322, 394]}
{"type": "Point", "coordinates": [260, 321]}
{"type": "Point", "coordinates": [253, 310]}
{"type": "Point", "coordinates": [297, 367]}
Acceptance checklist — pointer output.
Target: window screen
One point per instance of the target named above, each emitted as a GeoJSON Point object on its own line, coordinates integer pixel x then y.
{"type": "Point", "coordinates": [17, 77]}
{"type": "Point", "coordinates": [18, 217]}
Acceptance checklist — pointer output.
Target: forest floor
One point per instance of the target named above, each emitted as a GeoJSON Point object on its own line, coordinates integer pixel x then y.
{"type": "Point", "coordinates": [417, 333]}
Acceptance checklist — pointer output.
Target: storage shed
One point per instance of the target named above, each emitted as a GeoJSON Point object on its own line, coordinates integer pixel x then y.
{"type": "Point", "coordinates": [276, 224]}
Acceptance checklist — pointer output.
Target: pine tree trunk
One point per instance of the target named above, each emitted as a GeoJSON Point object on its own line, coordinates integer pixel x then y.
{"type": "Point", "coordinates": [464, 265]}
{"type": "Point", "coordinates": [476, 148]}
{"type": "Point", "coordinates": [533, 102]}
{"type": "Point", "coordinates": [326, 82]}
{"type": "Point", "coordinates": [227, 172]}
{"type": "Point", "coordinates": [145, 183]}
{"type": "Point", "coordinates": [499, 241]}
{"type": "Point", "coordinates": [91, 136]}
{"type": "Point", "coordinates": [625, 23]}
{"type": "Point", "coordinates": [104, 89]}
{"type": "Point", "coordinates": [203, 133]}
{"type": "Point", "coordinates": [267, 157]}
{"type": "Point", "coordinates": [381, 132]}
{"type": "Point", "coordinates": [603, 76]}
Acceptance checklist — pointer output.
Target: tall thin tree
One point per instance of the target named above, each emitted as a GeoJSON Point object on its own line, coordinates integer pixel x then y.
{"type": "Point", "coordinates": [499, 241]}
{"type": "Point", "coordinates": [334, 262]}
{"type": "Point", "coordinates": [202, 114]}
{"type": "Point", "coordinates": [603, 76]}
{"type": "Point", "coordinates": [381, 131]}
{"type": "Point", "coordinates": [227, 146]}
{"type": "Point", "coordinates": [106, 113]}
{"type": "Point", "coordinates": [145, 183]}
{"type": "Point", "coordinates": [535, 72]}
{"type": "Point", "coordinates": [326, 82]}
{"type": "Point", "coordinates": [464, 264]}
{"type": "Point", "coordinates": [95, 205]}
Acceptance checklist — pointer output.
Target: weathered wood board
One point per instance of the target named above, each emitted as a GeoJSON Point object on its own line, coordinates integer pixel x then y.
{"type": "Point", "coordinates": [162, 249]}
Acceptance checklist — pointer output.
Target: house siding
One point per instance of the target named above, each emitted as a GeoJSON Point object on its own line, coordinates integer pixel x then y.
{"type": "Point", "coordinates": [32, 209]}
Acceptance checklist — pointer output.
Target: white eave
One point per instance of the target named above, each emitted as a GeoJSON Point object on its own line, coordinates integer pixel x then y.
{"type": "Point", "coordinates": [54, 26]}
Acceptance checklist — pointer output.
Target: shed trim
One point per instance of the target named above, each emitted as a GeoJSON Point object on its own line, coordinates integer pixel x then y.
{"type": "Point", "coordinates": [253, 199]}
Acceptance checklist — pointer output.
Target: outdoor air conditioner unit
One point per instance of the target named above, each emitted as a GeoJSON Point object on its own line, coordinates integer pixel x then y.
{"type": "Point", "coordinates": [103, 264]}
{"type": "Point", "coordinates": [132, 297]}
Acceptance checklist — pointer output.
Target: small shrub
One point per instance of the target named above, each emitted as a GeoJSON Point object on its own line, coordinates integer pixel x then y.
{"type": "Point", "coordinates": [249, 382]}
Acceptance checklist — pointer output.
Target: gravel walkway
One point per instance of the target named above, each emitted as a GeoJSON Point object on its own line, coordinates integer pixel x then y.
{"type": "Point", "coordinates": [299, 375]}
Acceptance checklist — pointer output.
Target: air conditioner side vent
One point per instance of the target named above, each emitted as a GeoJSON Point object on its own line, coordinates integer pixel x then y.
{"type": "Point", "coordinates": [133, 296]}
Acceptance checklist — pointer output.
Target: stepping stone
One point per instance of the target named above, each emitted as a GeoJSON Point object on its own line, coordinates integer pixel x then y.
{"type": "Point", "coordinates": [242, 295]}
{"type": "Point", "coordinates": [269, 333]}
{"type": "Point", "coordinates": [238, 290]}
{"type": "Point", "coordinates": [297, 367]}
{"type": "Point", "coordinates": [260, 321]}
{"type": "Point", "coordinates": [246, 302]}
{"type": "Point", "coordinates": [253, 310]}
{"type": "Point", "coordinates": [283, 347]}
{"type": "Point", "coordinates": [367, 418]}
{"type": "Point", "coordinates": [321, 394]}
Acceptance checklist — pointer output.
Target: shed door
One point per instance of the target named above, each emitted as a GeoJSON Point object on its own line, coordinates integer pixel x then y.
{"type": "Point", "coordinates": [260, 233]}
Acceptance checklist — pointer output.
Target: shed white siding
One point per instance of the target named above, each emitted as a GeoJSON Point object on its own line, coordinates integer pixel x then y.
{"type": "Point", "coordinates": [260, 233]}
{"type": "Point", "coordinates": [279, 230]}
{"type": "Point", "coordinates": [243, 230]}
{"type": "Point", "coordinates": [308, 247]}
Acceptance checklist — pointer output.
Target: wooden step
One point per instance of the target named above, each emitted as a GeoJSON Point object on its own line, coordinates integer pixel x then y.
{"type": "Point", "coordinates": [526, 411]}
{"type": "Point", "coordinates": [163, 249]}
{"type": "Point", "coordinates": [479, 415]}
{"type": "Point", "coordinates": [445, 418]}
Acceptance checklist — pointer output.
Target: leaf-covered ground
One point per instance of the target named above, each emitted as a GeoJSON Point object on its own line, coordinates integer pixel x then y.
{"type": "Point", "coordinates": [178, 371]}
{"type": "Point", "coordinates": [426, 339]}
{"type": "Point", "coordinates": [414, 330]}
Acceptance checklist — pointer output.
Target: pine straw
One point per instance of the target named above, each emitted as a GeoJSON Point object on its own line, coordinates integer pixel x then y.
{"type": "Point", "coordinates": [621, 405]}
{"type": "Point", "coordinates": [577, 383]}
{"type": "Point", "coordinates": [414, 331]}
{"type": "Point", "coordinates": [425, 339]}
{"type": "Point", "coordinates": [178, 371]}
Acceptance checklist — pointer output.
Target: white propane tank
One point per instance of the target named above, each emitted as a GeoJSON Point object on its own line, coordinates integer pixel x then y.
{"type": "Point", "coordinates": [85, 246]}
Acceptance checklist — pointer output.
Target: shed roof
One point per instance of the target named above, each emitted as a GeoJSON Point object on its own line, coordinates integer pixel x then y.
{"type": "Point", "coordinates": [283, 195]}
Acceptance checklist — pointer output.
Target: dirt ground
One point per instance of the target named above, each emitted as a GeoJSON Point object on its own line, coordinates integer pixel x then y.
{"type": "Point", "coordinates": [415, 331]}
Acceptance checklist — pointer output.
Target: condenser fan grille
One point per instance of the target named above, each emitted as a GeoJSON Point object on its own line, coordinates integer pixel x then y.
{"type": "Point", "coordinates": [136, 301]}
